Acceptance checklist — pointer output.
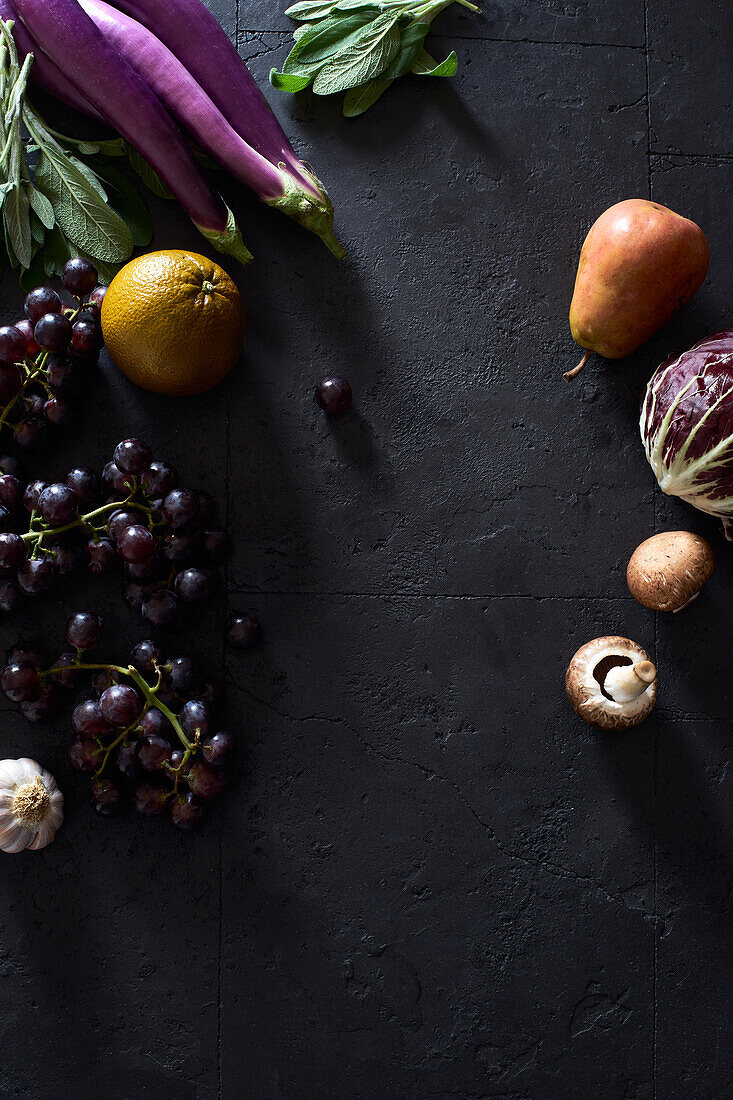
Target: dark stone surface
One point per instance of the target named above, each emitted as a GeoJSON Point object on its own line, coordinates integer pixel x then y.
{"type": "Point", "coordinates": [431, 880]}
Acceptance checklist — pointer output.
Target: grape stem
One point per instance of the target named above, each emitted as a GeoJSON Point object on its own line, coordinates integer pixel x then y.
{"type": "Point", "coordinates": [116, 742]}
{"type": "Point", "coordinates": [149, 693]}
{"type": "Point", "coordinates": [33, 373]}
{"type": "Point", "coordinates": [85, 520]}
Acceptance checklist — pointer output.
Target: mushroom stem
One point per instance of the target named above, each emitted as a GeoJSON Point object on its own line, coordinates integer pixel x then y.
{"type": "Point", "coordinates": [626, 682]}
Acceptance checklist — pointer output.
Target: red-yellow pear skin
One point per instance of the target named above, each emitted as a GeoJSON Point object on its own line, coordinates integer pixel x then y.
{"type": "Point", "coordinates": [639, 263]}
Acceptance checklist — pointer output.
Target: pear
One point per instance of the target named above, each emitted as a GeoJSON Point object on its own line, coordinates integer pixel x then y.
{"type": "Point", "coordinates": [639, 263]}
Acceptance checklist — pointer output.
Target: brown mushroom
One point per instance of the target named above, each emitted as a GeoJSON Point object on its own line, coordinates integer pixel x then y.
{"type": "Point", "coordinates": [611, 683]}
{"type": "Point", "coordinates": [668, 570]}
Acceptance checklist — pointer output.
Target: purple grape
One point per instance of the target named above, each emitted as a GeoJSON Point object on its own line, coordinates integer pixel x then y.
{"type": "Point", "coordinates": [116, 481]}
{"type": "Point", "coordinates": [13, 344]}
{"type": "Point", "coordinates": [160, 608]}
{"type": "Point", "coordinates": [176, 762]}
{"type": "Point", "coordinates": [11, 598]}
{"type": "Point", "coordinates": [58, 504]}
{"type": "Point", "coordinates": [159, 479]}
{"type": "Point", "coordinates": [10, 465]}
{"type": "Point", "coordinates": [215, 546]}
{"type": "Point", "coordinates": [32, 492]}
{"type": "Point", "coordinates": [192, 585]}
{"type": "Point", "coordinates": [187, 812]}
{"type": "Point", "coordinates": [206, 782]}
{"type": "Point", "coordinates": [135, 594]}
{"type": "Point", "coordinates": [31, 404]}
{"type": "Point", "coordinates": [334, 396]}
{"type": "Point", "coordinates": [244, 631]}
{"type": "Point", "coordinates": [61, 374]}
{"type": "Point", "coordinates": [86, 483]}
{"type": "Point", "coordinates": [103, 679]}
{"type": "Point", "coordinates": [150, 799]}
{"type": "Point", "coordinates": [20, 682]}
{"type": "Point", "coordinates": [83, 630]}
{"type": "Point", "coordinates": [85, 755]}
{"type": "Point", "coordinates": [101, 555]}
{"type": "Point", "coordinates": [67, 675]}
{"type": "Point", "coordinates": [194, 719]}
{"type": "Point", "coordinates": [153, 723]}
{"type": "Point", "coordinates": [30, 434]}
{"type": "Point", "coordinates": [126, 761]}
{"type": "Point", "coordinates": [88, 720]}
{"type": "Point", "coordinates": [120, 705]}
{"type": "Point", "coordinates": [146, 655]}
{"type": "Point", "coordinates": [58, 412]}
{"type": "Point", "coordinates": [180, 547]}
{"type": "Point", "coordinates": [121, 519]}
{"type": "Point", "coordinates": [153, 752]}
{"type": "Point", "coordinates": [11, 492]}
{"type": "Point", "coordinates": [52, 332]}
{"type": "Point", "coordinates": [86, 336]}
{"type": "Point", "coordinates": [180, 508]}
{"type": "Point", "coordinates": [96, 298]}
{"type": "Point", "coordinates": [142, 571]}
{"type": "Point", "coordinates": [12, 550]}
{"type": "Point", "coordinates": [217, 750]}
{"type": "Point", "coordinates": [132, 456]}
{"type": "Point", "coordinates": [136, 544]}
{"type": "Point", "coordinates": [26, 653]}
{"type": "Point", "coordinates": [26, 328]}
{"type": "Point", "coordinates": [41, 301]}
{"type": "Point", "coordinates": [107, 798]}
{"type": "Point", "coordinates": [68, 557]}
{"type": "Point", "coordinates": [36, 575]}
{"type": "Point", "coordinates": [80, 276]}
{"type": "Point", "coordinates": [44, 708]}
{"type": "Point", "coordinates": [11, 382]}
{"type": "Point", "coordinates": [182, 674]}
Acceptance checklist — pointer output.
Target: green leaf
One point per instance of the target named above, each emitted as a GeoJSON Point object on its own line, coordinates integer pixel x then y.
{"type": "Point", "coordinates": [82, 214]}
{"type": "Point", "coordinates": [359, 100]}
{"type": "Point", "coordinates": [325, 39]}
{"type": "Point", "coordinates": [425, 65]}
{"type": "Point", "coordinates": [90, 175]}
{"type": "Point", "coordinates": [127, 202]}
{"type": "Point", "coordinates": [288, 82]}
{"type": "Point", "coordinates": [38, 229]}
{"type": "Point", "coordinates": [410, 48]}
{"type": "Point", "coordinates": [366, 58]}
{"type": "Point", "coordinates": [56, 252]}
{"type": "Point", "coordinates": [35, 274]}
{"type": "Point", "coordinates": [42, 207]}
{"type": "Point", "coordinates": [311, 9]}
{"type": "Point", "coordinates": [147, 174]}
{"type": "Point", "coordinates": [16, 217]}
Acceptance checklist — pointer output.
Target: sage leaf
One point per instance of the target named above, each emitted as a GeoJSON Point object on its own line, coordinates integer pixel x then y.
{"type": "Point", "coordinates": [369, 56]}
{"type": "Point", "coordinates": [81, 212]}
{"type": "Point", "coordinates": [425, 65]}
{"type": "Point", "coordinates": [147, 174]}
{"type": "Point", "coordinates": [411, 44]}
{"type": "Point", "coordinates": [126, 200]}
{"type": "Point", "coordinates": [42, 207]}
{"type": "Point", "coordinates": [325, 39]}
{"type": "Point", "coordinates": [359, 100]}
{"type": "Point", "coordinates": [288, 82]}
{"type": "Point", "coordinates": [38, 229]}
{"type": "Point", "coordinates": [56, 252]}
{"type": "Point", "coordinates": [17, 222]}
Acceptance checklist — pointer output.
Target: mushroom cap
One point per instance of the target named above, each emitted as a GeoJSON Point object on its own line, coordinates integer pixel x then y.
{"type": "Point", "coordinates": [668, 570]}
{"type": "Point", "coordinates": [585, 690]}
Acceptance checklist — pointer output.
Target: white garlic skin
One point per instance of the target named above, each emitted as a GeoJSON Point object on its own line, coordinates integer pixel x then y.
{"type": "Point", "coordinates": [31, 806]}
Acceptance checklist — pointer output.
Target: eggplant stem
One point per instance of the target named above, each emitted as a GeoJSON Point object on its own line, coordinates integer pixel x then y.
{"type": "Point", "coordinates": [570, 374]}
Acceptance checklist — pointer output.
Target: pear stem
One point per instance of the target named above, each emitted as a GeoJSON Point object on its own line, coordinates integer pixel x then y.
{"type": "Point", "coordinates": [570, 374]}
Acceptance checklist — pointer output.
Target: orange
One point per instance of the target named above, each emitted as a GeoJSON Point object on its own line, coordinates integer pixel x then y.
{"type": "Point", "coordinates": [173, 322]}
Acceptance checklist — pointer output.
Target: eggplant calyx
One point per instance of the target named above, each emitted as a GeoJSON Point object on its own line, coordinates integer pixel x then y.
{"type": "Point", "coordinates": [313, 211]}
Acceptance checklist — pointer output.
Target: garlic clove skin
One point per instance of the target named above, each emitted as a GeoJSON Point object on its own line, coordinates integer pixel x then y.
{"type": "Point", "coordinates": [31, 806]}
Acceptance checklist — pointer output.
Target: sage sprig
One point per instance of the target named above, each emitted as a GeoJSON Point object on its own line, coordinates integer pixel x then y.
{"type": "Point", "coordinates": [60, 197]}
{"type": "Point", "coordinates": [361, 47]}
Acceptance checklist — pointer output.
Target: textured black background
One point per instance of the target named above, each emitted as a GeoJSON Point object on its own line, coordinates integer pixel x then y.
{"type": "Point", "coordinates": [431, 880]}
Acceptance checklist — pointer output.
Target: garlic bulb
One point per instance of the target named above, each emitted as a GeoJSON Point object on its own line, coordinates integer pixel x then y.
{"type": "Point", "coordinates": [31, 806]}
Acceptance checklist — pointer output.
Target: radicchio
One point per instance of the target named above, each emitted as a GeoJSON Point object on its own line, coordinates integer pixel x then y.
{"type": "Point", "coordinates": [687, 426]}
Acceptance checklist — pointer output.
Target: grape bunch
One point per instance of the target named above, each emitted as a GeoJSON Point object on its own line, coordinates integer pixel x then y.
{"type": "Point", "coordinates": [134, 517]}
{"type": "Point", "coordinates": [44, 356]}
{"type": "Point", "coordinates": [146, 734]}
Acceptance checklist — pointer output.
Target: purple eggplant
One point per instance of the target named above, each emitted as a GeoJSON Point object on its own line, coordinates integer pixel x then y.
{"type": "Point", "coordinates": [66, 34]}
{"type": "Point", "coordinates": [43, 71]}
{"type": "Point", "coordinates": [192, 33]}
